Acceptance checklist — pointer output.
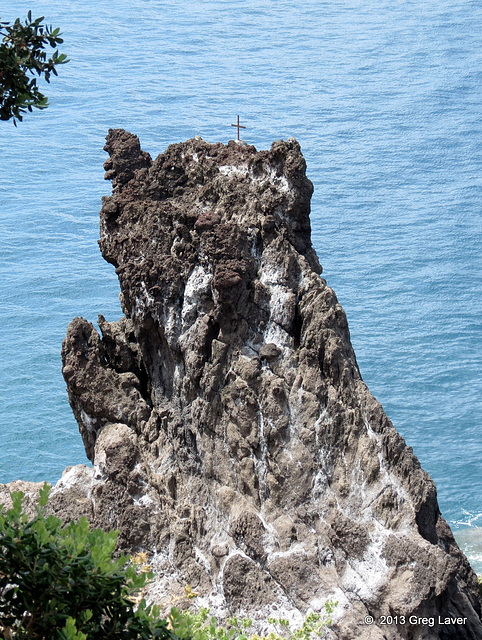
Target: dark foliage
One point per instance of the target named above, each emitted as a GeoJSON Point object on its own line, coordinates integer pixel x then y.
{"type": "Point", "coordinates": [23, 59]}
{"type": "Point", "coordinates": [61, 582]}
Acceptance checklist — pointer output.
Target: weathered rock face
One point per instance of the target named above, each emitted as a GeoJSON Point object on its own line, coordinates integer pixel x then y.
{"type": "Point", "coordinates": [229, 427]}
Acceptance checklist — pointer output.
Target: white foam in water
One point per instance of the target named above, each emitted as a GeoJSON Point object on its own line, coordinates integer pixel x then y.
{"type": "Point", "coordinates": [470, 541]}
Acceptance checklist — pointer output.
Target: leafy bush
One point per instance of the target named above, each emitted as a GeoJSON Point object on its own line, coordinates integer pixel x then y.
{"type": "Point", "coordinates": [314, 626]}
{"type": "Point", "coordinates": [201, 626]}
{"type": "Point", "coordinates": [22, 55]}
{"type": "Point", "coordinates": [60, 582]}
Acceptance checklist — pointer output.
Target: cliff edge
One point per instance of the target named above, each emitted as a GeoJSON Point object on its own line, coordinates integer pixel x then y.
{"type": "Point", "coordinates": [229, 428]}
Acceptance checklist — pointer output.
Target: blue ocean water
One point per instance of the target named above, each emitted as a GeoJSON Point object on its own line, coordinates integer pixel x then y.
{"type": "Point", "coordinates": [385, 99]}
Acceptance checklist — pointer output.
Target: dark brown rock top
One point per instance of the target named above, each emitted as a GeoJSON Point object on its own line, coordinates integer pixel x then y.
{"type": "Point", "coordinates": [230, 431]}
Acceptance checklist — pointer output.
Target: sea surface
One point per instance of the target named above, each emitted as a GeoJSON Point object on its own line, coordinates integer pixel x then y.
{"type": "Point", "coordinates": [386, 100]}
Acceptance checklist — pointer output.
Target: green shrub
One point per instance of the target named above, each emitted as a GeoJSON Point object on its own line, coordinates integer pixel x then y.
{"type": "Point", "coordinates": [61, 582]}
{"type": "Point", "coordinates": [201, 626]}
{"type": "Point", "coordinates": [314, 625]}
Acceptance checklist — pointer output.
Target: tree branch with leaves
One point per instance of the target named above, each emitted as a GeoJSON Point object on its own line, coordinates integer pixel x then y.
{"type": "Point", "coordinates": [23, 60]}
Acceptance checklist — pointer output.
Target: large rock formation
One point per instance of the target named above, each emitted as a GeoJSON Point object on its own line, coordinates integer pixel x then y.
{"type": "Point", "coordinates": [229, 428]}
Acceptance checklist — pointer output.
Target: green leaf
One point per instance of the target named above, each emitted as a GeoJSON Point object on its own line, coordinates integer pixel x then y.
{"type": "Point", "coordinates": [70, 632]}
{"type": "Point", "coordinates": [45, 490]}
{"type": "Point", "coordinates": [23, 55]}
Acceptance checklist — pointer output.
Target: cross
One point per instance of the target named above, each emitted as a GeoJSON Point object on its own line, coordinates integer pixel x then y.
{"type": "Point", "coordinates": [239, 126]}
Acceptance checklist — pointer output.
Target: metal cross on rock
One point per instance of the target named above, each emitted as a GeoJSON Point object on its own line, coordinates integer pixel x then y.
{"type": "Point", "coordinates": [239, 126]}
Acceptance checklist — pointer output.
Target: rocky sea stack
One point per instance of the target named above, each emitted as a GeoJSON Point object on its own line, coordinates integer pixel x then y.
{"type": "Point", "coordinates": [229, 428]}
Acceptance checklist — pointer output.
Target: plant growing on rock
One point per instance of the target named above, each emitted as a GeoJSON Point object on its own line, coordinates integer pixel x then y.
{"type": "Point", "coordinates": [200, 625]}
{"type": "Point", "coordinates": [314, 625]}
{"type": "Point", "coordinates": [61, 582]}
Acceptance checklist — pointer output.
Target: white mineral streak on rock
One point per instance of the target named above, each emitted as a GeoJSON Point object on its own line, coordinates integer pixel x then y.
{"type": "Point", "coordinates": [197, 286]}
{"type": "Point", "coordinates": [171, 322]}
{"type": "Point", "coordinates": [98, 474]}
{"type": "Point", "coordinates": [165, 581]}
{"type": "Point", "coordinates": [262, 463]}
{"type": "Point", "coordinates": [387, 479]}
{"type": "Point", "coordinates": [145, 501]}
{"type": "Point", "coordinates": [367, 576]}
{"type": "Point", "coordinates": [274, 179]}
{"type": "Point", "coordinates": [88, 421]}
{"type": "Point", "coordinates": [280, 295]}
{"type": "Point", "coordinates": [231, 171]}
{"type": "Point", "coordinates": [72, 477]}
{"type": "Point", "coordinates": [142, 303]}
{"type": "Point", "coordinates": [202, 558]}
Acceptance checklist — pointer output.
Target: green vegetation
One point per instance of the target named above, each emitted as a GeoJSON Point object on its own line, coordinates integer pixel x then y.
{"type": "Point", "coordinates": [62, 582]}
{"type": "Point", "coordinates": [201, 626]}
{"type": "Point", "coordinates": [22, 58]}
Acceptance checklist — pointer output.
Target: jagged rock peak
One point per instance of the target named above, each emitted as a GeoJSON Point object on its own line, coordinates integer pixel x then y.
{"type": "Point", "coordinates": [229, 427]}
